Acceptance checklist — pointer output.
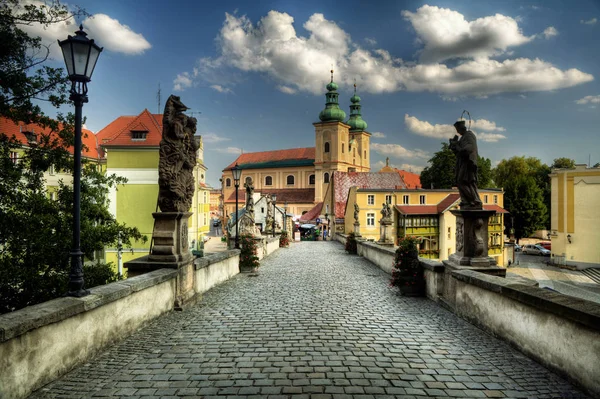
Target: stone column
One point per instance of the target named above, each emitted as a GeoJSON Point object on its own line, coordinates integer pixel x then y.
{"type": "Point", "coordinates": [385, 226]}
{"type": "Point", "coordinates": [472, 238]}
{"type": "Point", "coordinates": [356, 229]}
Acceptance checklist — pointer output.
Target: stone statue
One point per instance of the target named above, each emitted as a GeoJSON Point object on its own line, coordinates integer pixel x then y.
{"type": "Point", "coordinates": [250, 198]}
{"type": "Point", "coordinates": [465, 148]}
{"type": "Point", "coordinates": [177, 158]}
{"type": "Point", "coordinates": [356, 211]}
{"type": "Point", "coordinates": [269, 217]}
{"type": "Point", "coordinates": [386, 212]}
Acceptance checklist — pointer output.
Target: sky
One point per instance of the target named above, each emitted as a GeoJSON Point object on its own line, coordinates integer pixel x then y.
{"type": "Point", "coordinates": [254, 73]}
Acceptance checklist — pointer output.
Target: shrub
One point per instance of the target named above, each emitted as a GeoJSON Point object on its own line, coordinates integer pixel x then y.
{"type": "Point", "coordinates": [351, 246]}
{"type": "Point", "coordinates": [248, 255]}
{"type": "Point", "coordinates": [284, 240]}
{"type": "Point", "coordinates": [99, 274]}
{"type": "Point", "coordinates": [407, 272]}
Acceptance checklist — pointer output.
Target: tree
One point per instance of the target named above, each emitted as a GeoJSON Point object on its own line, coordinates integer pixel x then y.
{"type": "Point", "coordinates": [532, 170]}
{"type": "Point", "coordinates": [35, 230]}
{"type": "Point", "coordinates": [596, 165]}
{"type": "Point", "coordinates": [563, 163]}
{"type": "Point", "coordinates": [440, 173]}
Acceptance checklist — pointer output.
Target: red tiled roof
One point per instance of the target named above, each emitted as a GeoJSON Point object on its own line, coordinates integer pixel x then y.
{"type": "Point", "coordinates": [417, 209]}
{"type": "Point", "coordinates": [18, 130]}
{"type": "Point", "coordinates": [342, 181]}
{"type": "Point", "coordinates": [118, 132]}
{"type": "Point", "coordinates": [291, 195]}
{"type": "Point", "coordinates": [447, 202]}
{"type": "Point", "coordinates": [273, 156]}
{"type": "Point", "coordinates": [412, 180]}
{"type": "Point", "coordinates": [313, 214]}
{"type": "Point", "coordinates": [494, 207]}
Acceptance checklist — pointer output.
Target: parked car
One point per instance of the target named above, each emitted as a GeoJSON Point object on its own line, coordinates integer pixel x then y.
{"type": "Point", "coordinates": [518, 248]}
{"type": "Point", "coordinates": [547, 245]}
{"type": "Point", "coordinates": [535, 249]}
{"type": "Point", "coordinates": [216, 223]}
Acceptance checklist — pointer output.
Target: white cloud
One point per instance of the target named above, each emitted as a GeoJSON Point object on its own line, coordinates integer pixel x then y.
{"type": "Point", "coordinates": [445, 131]}
{"type": "Point", "coordinates": [115, 36]}
{"type": "Point", "coordinates": [272, 47]}
{"type": "Point", "coordinates": [221, 89]}
{"type": "Point", "coordinates": [398, 151]}
{"type": "Point", "coordinates": [446, 34]}
{"type": "Point", "coordinates": [213, 138]}
{"type": "Point", "coordinates": [550, 32]}
{"type": "Point", "coordinates": [589, 21]}
{"type": "Point", "coordinates": [106, 32]}
{"type": "Point", "coordinates": [589, 100]}
{"type": "Point", "coordinates": [286, 89]}
{"type": "Point", "coordinates": [378, 135]}
{"type": "Point", "coordinates": [230, 150]}
{"type": "Point", "coordinates": [370, 41]}
{"type": "Point", "coordinates": [182, 82]}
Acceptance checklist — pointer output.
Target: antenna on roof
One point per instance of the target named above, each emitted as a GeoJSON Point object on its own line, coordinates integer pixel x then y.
{"type": "Point", "coordinates": [158, 98]}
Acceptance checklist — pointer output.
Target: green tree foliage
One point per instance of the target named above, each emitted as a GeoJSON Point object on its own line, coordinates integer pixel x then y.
{"type": "Point", "coordinates": [36, 231]}
{"type": "Point", "coordinates": [526, 211]}
{"type": "Point", "coordinates": [596, 165]}
{"type": "Point", "coordinates": [440, 173]}
{"type": "Point", "coordinates": [563, 163]}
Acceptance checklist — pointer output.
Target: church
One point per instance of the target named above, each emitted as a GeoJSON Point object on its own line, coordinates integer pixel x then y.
{"type": "Point", "coordinates": [299, 177]}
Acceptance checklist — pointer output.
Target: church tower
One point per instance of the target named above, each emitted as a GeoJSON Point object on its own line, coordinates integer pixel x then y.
{"type": "Point", "coordinates": [332, 141]}
{"type": "Point", "coordinates": [360, 139]}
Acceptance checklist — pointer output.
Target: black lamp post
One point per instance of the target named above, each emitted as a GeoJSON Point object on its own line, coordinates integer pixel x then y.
{"type": "Point", "coordinates": [237, 174]}
{"type": "Point", "coordinates": [285, 216]}
{"type": "Point", "coordinates": [80, 54]}
{"type": "Point", "coordinates": [274, 197]}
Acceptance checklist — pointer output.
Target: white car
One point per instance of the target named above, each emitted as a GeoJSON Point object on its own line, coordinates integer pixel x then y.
{"type": "Point", "coordinates": [534, 249]}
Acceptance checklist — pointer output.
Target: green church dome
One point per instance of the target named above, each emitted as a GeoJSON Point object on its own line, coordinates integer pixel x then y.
{"type": "Point", "coordinates": [356, 122]}
{"type": "Point", "coordinates": [332, 111]}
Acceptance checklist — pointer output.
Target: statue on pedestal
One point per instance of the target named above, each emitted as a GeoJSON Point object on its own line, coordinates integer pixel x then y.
{"type": "Point", "coordinates": [465, 148]}
{"type": "Point", "coordinates": [386, 213]}
{"type": "Point", "coordinates": [356, 211]}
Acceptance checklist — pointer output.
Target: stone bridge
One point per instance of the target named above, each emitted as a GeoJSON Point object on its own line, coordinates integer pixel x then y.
{"type": "Point", "coordinates": [314, 322]}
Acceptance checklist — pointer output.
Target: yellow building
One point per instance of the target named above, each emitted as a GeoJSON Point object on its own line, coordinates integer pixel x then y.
{"type": "Point", "coordinates": [424, 214]}
{"type": "Point", "coordinates": [301, 176]}
{"type": "Point", "coordinates": [575, 216]}
{"type": "Point", "coordinates": [131, 145]}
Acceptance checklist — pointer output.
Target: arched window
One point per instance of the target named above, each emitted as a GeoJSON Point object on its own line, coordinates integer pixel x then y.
{"type": "Point", "coordinates": [326, 147]}
{"type": "Point", "coordinates": [228, 182]}
{"type": "Point", "coordinates": [342, 148]}
{"type": "Point", "coordinates": [268, 181]}
{"type": "Point", "coordinates": [290, 180]}
{"type": "Point", "coordinates": [326, 178]}
{"type": "Point", "coordinates": [311, 179]}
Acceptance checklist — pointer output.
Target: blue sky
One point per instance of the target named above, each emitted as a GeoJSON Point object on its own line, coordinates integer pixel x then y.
{"type": "Point", "coordinates": [528, 72]}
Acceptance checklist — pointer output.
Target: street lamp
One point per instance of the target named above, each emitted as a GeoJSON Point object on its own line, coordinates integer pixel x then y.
{"type": "Point", "coordinates": [80, 54]}
{"type": "Point", "coordinates": [237, 174]}
{"type": "Point", "coordinates": [274, 197]}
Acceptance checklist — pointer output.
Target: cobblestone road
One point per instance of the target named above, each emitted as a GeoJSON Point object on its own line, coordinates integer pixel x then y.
{"type": "Point", "coordinates": [315, 323]}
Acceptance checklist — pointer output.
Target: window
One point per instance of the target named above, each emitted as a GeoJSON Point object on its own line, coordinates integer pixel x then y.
{"type": "Point", "coordinates": [351, 169]}
{"type": "Point", "coordinates": [342, 148]}
{"type": "Point", "coordinates": [405, 199]}
{"type": "Point", "coordinates": [495, 199]}
{"type": "Point", "coordinates": [449, 232]}
{"type": "Point", "coordinates": [485, 199]}
{"type": "Point", "coordinates": [370, 199]}
{"type": "Point", "coordinates": [138, 135]}
{"type": "Point", "coordinates": [422, 199]}
{"type": "Point", "coordinates": [326, 178]}
{"type": "Point", "coordinates": [228, 182]}
{"type": "Point", "coordinates": [311, 179]}
{"type": "Point", "coordinates": [365, 154]}
{"type": "Point", "coordinates": [14, 157]}
{"type": "Point", "coordinates": [290, 180]}
{"type": "Point", "coordinates": [370, 219]}
{"type": "Point", "coordinates": [53, 196]}
{"type": "Point", "coordinates": [268, 181]}
{"type": "Point", "coordinates": [262, 210]}
{"type": "Point", "coordinates": [326, 147]}
{"type": "Point", "coordinates": [388, 199]}
{"type": "Point", "coordinates": [326, 208]}
{"type": "Point", "coordinates": [51, 170]}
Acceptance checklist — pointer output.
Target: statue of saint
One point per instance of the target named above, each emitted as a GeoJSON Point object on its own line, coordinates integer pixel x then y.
{"type": "Point", "coordinates": [250, 198]}
{"type": "Point", "coordinates": [177, 158]}
{"type": "Point", "coordinates": [386, 212]}
{"type": "Point", "coordinates": [464, 145]}
{"type": "Point", "coordinates": [356, 211]}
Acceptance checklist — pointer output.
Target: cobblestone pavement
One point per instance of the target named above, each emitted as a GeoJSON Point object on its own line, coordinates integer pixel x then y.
{"type": "Point", "coordinates": [314, 323]}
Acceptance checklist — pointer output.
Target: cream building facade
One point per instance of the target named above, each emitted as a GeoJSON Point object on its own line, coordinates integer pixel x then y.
{"type": "Point", "coordinates": [575, 216]}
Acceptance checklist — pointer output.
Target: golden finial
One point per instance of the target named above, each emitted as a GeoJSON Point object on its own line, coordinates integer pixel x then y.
{"type": "Point", "coordinates": [332, 72]}
{"type": "Point", "coordinates": [354, 85]}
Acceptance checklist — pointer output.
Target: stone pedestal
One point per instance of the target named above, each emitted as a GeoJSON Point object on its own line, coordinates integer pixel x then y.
{"type": "Point", "coordinates": [472, 238]}
{"type": "Point", "coordinates": [169, 251]}
{"type": "Point", "coordinates": [170, 237]}
{"type": "Point", "coordinates": [385, 237]}
{"type": "Point", "coordinates": [356, 229]}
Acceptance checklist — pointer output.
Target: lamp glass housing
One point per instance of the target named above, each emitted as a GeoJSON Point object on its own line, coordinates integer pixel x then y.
{"type": "Point", "coordinates": [236, 171]}
{"type": "Point", "coordinates": [81, 55]}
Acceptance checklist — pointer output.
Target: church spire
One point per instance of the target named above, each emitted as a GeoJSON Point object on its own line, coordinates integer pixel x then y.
{"type": "Point", "coordinates": [332, 111]}
{"type": "Point", "coordinates": [356, 122]}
